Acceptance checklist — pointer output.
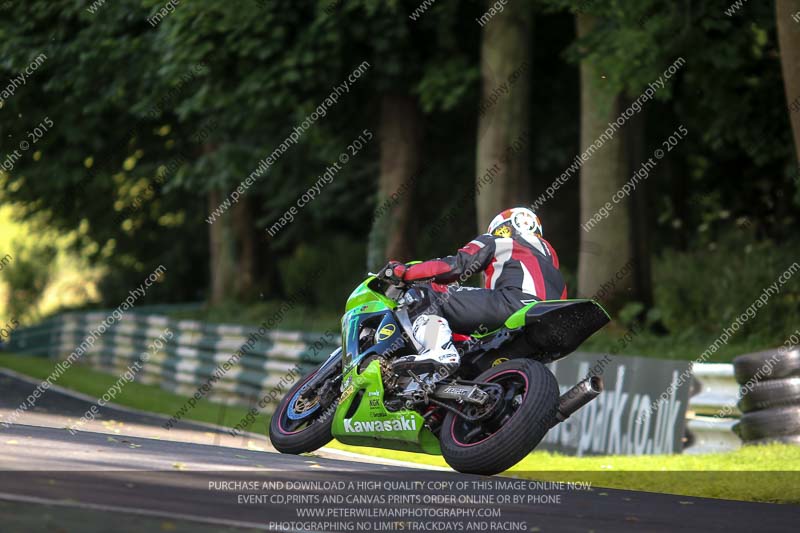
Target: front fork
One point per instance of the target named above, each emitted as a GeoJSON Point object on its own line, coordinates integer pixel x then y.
{"type": "Point", "coordinates": [325, 372]}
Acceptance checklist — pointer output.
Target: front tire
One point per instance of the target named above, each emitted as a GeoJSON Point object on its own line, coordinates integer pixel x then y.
{"type": "Point", "coordinates": [522, 420]}
{"type": "Point", "coordinates": [292, 432]}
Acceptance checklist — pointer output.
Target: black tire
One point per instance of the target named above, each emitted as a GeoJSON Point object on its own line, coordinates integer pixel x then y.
{"type": "Point", "coordinates": [758, 366]}
{"type": "Point", "coordinates": [305, 438]}
{"type": "Point", "coordinates": [769, 423]}
{"type": "Point", "coordinates": [520, 430]}
{"type": "Point", "coordinates": [770, 394]}
{"type": "Point", "coordinates": [785, 439]}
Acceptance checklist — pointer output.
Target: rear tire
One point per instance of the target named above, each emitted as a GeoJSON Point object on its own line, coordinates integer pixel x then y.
{"type": "Point", "coordinates": [478, 448]}
{"type": "Point", "coordinates": [313, 433]}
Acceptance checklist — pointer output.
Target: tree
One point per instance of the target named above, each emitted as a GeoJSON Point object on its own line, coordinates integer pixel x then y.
{"type": "Point", "coordinates": [248, 86]}
{"type": "Point", "coordinates": [98, 140]}
{"type": "Point", "coordinates": [401, 125]}
{"type": "Point", "coordinates": [641, 207]}
{"type": "Point", "coordinates": [503, 123]}
{"type": "Point", "coordinates": [602, 175]}
{"type": "Point", "coordinates": [420, 66]}
{"type": "Point", "coordinates": [233, 254]}
{"type": "Point", "coordinates": [789, 39]}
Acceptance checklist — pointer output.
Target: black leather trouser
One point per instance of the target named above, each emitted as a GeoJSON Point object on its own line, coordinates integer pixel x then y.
{"type": "Point", "coordinates": [469, 309]}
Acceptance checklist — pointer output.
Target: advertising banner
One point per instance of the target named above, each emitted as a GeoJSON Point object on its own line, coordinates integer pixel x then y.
{"type": "Point", "coordinates": [641, 410]}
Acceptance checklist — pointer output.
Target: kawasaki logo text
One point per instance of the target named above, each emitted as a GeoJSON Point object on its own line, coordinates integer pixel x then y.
{"type": "Point", "coordinates": [403, 424]}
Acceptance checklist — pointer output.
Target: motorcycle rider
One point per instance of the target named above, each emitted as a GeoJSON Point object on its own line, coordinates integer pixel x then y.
{"type": "Point", "coordinates": [519, 267]}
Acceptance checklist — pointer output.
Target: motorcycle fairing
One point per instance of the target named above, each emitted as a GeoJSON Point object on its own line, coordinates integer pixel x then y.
{"type": "Point", "coordinates": [546, 331]}
{"type": "Point", "coordinates": [361, 419]}
{"type": "Point", "coordinates": [555, 328]}
{"type": "Point", "coordinates": [388, 336]}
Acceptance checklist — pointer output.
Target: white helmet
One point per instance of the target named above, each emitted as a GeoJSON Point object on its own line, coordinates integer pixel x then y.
{"type": "Point", "coordinates": [516, 221]}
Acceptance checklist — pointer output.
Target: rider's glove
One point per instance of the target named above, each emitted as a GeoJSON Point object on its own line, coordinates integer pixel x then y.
{"type": "Point", "coordinates": [393, 272]}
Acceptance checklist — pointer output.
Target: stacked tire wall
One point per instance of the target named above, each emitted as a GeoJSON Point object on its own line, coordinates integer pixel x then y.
{"type": "Point", "coordinates": [769, 396]}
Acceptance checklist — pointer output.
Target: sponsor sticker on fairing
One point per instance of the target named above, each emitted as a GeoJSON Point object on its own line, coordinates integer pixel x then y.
{"type": "Point", "coordinates": [407, 423]}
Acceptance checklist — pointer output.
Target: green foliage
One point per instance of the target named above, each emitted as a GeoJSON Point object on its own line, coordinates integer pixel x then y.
{"type": "Point", "coordinates": [448, 86]}
{"type": "Point", "coordinates": [148, 120]}
{"type": "Point", "coordinates": [630, 314]}
{"type": "Point", "coordinates": [325, 272]}
{"type": "Point", "coordinates": [111, 109]}
{"type": "Point", "coordinates": [704, 290]}
{"type": "Point", "coordinates": [729, 95]}
{"type": "Point", "coordinates": [29, 277]}
{"type": "Point", "coordinates": [46, 270]}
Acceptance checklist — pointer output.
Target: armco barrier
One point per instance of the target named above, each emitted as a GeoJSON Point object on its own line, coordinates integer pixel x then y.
{"type": "Point", "coordinates": [197, 349]}
{"type": "Point", "coordinates": [712, 410]}
{"type": "Point", "coordinates": [188, 359]}
{"type": "Point", "coordinates": [642, 410]}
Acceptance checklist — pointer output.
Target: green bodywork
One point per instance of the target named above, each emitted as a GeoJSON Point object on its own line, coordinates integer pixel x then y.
{"type": "Point", "coordinates": [517, 320]}
{"type": "Point", "coordinates": [362, 300]}
{"type": "Point", "coordinates": [369, 423]}
{"type": "Point", "coordinates": [362, 295]}
{"type": "Point", "coordinates": [372, 425]}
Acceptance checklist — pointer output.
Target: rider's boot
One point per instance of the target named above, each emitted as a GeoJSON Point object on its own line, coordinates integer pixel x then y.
{"type": "Point", "coordinates": [439, 357]}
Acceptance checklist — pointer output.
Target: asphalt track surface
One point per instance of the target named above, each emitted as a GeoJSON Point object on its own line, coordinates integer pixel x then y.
{"type": "Point", "coordinates": [124, 472]}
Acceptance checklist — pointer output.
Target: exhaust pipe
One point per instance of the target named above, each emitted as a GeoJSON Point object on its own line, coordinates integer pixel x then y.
{"type": "Point", "coordinates": [578, 396]}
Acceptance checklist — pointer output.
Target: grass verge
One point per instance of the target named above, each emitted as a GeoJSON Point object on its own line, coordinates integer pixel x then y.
{"type": "Point", "coordinates": [758, 473]}
{"type": "Point", "coordinates": [755, 473]}
{"type": "Point", "coordinates": [136, 395]}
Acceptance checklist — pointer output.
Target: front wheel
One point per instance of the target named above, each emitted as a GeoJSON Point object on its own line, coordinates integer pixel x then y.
{"type": "Point", "coordinates": [519, 423]}
{"type": "Point", "coordinates": [300, 423]}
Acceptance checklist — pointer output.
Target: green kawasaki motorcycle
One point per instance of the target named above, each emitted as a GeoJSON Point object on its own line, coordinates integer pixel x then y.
{"type": "Point", "coordinates": [486, 417]}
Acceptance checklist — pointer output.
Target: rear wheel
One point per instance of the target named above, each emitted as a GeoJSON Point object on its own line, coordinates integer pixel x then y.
{"type": "Point", "coordinates": [519, 423]}
{"type": "Point", "coordinates": [301, 423]}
